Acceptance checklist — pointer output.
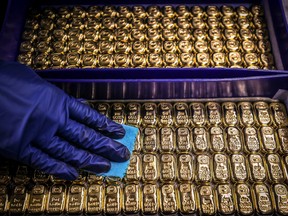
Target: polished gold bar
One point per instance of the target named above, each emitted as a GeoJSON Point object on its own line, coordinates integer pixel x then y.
{"type": "Point", "coordinates": [89, 60]}
{"type": "Point", "coordinates": [76, 199]}
{"type": "Point", "coordinates": [150, 203]}
{"type": "Point", "coordinates": [95, 199]}
{"type": "Point", "coordinates": [150, 140]}
{"type": "Point", "coordinates": [124, 11]}
{"type": "Point", "coordinates": [239, 168]}
{"type": "Point", "coordinates": [263, 201]}
{"type": "Point", "coordinates": [169, 34]}
{"type": "Point", "coordinates": [269, 140]}
{"type": "Point", "coordinates": [122, 60]}
{"type": "Point", "coordinates": [221, 167]}
{"type": "Point", "coordinates": [118, 113]}
{"type": "Point", "coordinates": [168, 199]}
{"type": "Point", "coordinates": [167, 168]}
{"type": "Point", "coordinates": [201, 46]}
{"type": "Point", "coordinates": [279, 114]}
{"type": "Point", "coordinates": [3, 199]}
{"type": "Point", "coordinates": [185, 46]}
{"type": "Point", "coordinates": [234, 140]}
{"type": "Point", "coordinates": [183, 34]}
{"type": "Point", "coordinates": [207, 204]}
{"type": "Point", "coordinates": [167, 140]}
{"type": "Point", "coordinates": [171, 60]}
{"type": "Point", "coordinates": [185, 168]}
{"type": "Point", "coordinates": [246, 113]}
{"type": "Point", "coordinates": [245, 204]}
{"type": "Point", "coordinates": [94, 11]}
{"type": "Point", "coordinates": [149, 114]}
{"type": "Point", "coordinates": [200, 37]}
{"type": "Point", "coordinates": [183, 140]}
{"type": "Point", "coordinates": [200, 138]}
{"type": "Point", "coordinates": [103, 108]}
{"type": "Point", "coordinates": [198, 114]}
{"type": "Point", "coordinates": [122, 35]}
{"type": "Point", "coordinates": [263, 116]}
{"type": "Point", "coordinates": [139, 11]}
{"type": "Point", "coordinates": [92, 178]}
{"type": "Point", "coordinates": [252, 143]}
{"type": "Point", "coordinates": [37, 199]}
{"type": "Point", "coordinates": [154, 11]}
{"type": "Point", "coordinates": [165, 113]}
{"type": "Point", "coordinates": [113, 200]}
{"type": "Point", "coordinates": [133, 114]}
{"type": "Point", "coordinates": [150, 168]}
{"type": "Point", "coordinates": [18, 200]}
{"type": "Point", "coordinates": [217, 46]}
{"type": "Point", "coordinates": [230, 114]}
{"type": "Point", "coordinates": [217, 141]}
{"type": "Point", "coordinates": [280, 192]}
{"type": "Point", "coordinates": [198, 11]}
{"type": "Point", "coordinates": [105, 60]}
{"type": "Point", "coordinates": [228, 22]}
{"type": "Point", "coordinates": [138, 60]}
{"type": "Point", "coordinates": [225, 199]}
{"type": "Point", "coordinates": [274, 167]}
{"type": "Point", "coordinates": [204, 169]}
{"type": "Point", "coordinates": [283, 139]}
{"type": "Point", "coordinates": [56, 200]}
{"type": "Point", "coordinates": [257, 168]}
{"type": "Point", "coordinates": [168, 11]}
{"type": "Point", "coordinates": [186, 60]}
{"type": "Point", "coordinates": [134, 170]}
{"type": "Point", "coordinates": [214, 114]}
{"type": "Point", "coordinates": [131, 199]}
{"type": "Point", "coordinates": [181, 114]}
{"type": "Point", "coordinates": [25, 58]}
{"type": "Point", "coordinates": [139, 47]}
{"type": "Point", "coordinates": [187, 198]}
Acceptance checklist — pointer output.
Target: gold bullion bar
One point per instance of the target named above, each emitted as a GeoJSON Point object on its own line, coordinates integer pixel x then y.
{"type": "Point", "coordinates": [235, 59]}
{"type": "Point", "coordinates": [106, 47]}
{"type": "Point", "coordinates": [75, 203]}
{"type": "Point", "coordinates": [29, 35]}
{"type": "Point", "coordinates": [198, 23]}
{"type": "Point", "coordinates": [37, 199]}
{"type": "Point", "coordinates": [230, 114]}
{"type": "Point", "coordinates": [165, 113]}
{"type": "Point", "coordinates": [186, 59]}
{"type": "Point", "coordinates": [221, 167]}
{"type": "Point", "coordinates": [94, 11]}
{"type": "Point", "coordinates": [122, 60]}
{"type": "Point", "coordinates": [217, 46]}
{"type": "Point", "coordinates": [131, 199]}
{"type": "Point", "coordinates": [234, 140]}
{"type": "Point", "coordinates": [201, 46]}
{"type": "Point", "coordinates": [263, 117]}
{"type": "Point", "coordinates": [285, 165]}
{"type": "Point", "coordinates": [154, 11]}
{"type": "Point", "coordinates": [264, 46]}
{"type": "Point", "coordinates": [198, 117]}
{"type": "Point", "coordinates": [198, 11]}
{"type": "Point", "coordinates": [203, 168]}
{"type": "Point", "coordinates": [149, 114]}
{"type": "Point", "coordinates": [133, 114]}
{"type": "Point", "coordinates": [213, 113]}
{"type": "Point", "coordinates": [279, 114]}
{"type": "Point", "coordinates": [183, 140]}
{"type": "Point", "coordinates": [217, 140]}
{"type": "Point", "coordinates": [149, 139]}
{"type": "Point", "coordinates": [138, 60]}
{"type": "Point", "coordinates": [169, 34]}
{"type": "Point", "coordinates": [239, 168]}
{"type": "Point", "coordinates": [219, 59]}
{"type": "Point", "coordinates": [207, 200]}
{"type": "Point", "coordinates": [122, 23]}
{"type": "Point", "coordinates": [171, 60]}
{"type": "Point", "coordinates": [138, 47]}
{"type": "Point", "coordinates": [22, 175]}
{"type": "Point", "coordinates": [150, 168]}
{"type": "Point", "coordinates": [269, 142]}
{"type": "Point", "coordinates": [103, 108]}
{"type": "Point", "coordinates": [168, 11]}
{"type": "Point", "coordinates": [167, 139]}
{"type": "Point", "coordinates": [118, 112]}
{"type": "Point", "coordinates": [200, 138]}
{"type": "Point", "coordinates": [168, 199]}
{"type": "Point", "coordinates": [227, 10]}
{"type": "Point", "coordinates": [225, 199]}
{"type": "Point", "coordinates": [183, 11]}
{"type": "Point", "coordinates": [122, 35]}
{"type": "Point", "coordinates": [56, 199]}
{"type": "Point", "coordinates": [185, 168]}
{"type": "Point", "coordinates": [280, 192]}
{"type": "Point", "coordinates": [181, 115]}
{"type": "Point", "coordinates": [187, 198]}
{"type": "Point", "coordinates": [3, 199]}
{"type": "Point", "coordinates": [283, 139]}
{"type": "Point", "coordinates": [244, 199]}
{"type": "Point", "coordinates": [246, 34]}
{"type": "Point", "coordinates": [109, 11]}
{"type": "Point", "coordinates": [228, 22]}
{"type": "Point", "coordinates": [19, 200]}
{"type": "Point", "coordinates": [154, 47]}
{"type": "Point", "coordinates": [231, 34]}
{"type": "Point", "coordinates": [184, 36]}
{"type": "Point", "coordinates": [276, 173]}
{"type": "Point", "coordinates": [252, 142]}
{"type": "Point", "coordinates": [150, 203]}
{"type": "Point", "coordinates": [215, 34]}
{"type": "Point", "coordinates": [25, 58]}
{"type": "Point", "coordinates": [134, 170]}
{"type": "Point", "coordinates": [167, 168]}
{"type": "Point", "coordinates": [5, 175]}
{"type": "Point", "coordinates": [113, 199]}
{"type": "Point", "coordinates": [257, 167]}
{"type": "Point", "coordinates": [246, 113]}
{"type": "Point", "coordinates": [137, 145]}
{"type": "Point", "coordinates": [200, 35]}
{"type": "Point", "coordinates": [263, 200]}
{"type": "Point", "coordinates": [169, 46]}
{"type": "Point", "coordinates": [26, 47]}
{"type": "Point", "coordinates": [95, 199]}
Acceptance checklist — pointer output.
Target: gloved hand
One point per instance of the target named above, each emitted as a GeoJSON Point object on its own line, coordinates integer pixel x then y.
{"type": "Point", "coordinates": [43, 127]}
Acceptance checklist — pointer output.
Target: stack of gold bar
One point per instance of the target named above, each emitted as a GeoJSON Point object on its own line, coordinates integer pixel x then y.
{"type": "Point", "coordinates": [140, 37]}
{"type": "Point", "coordinates": [190, 158]}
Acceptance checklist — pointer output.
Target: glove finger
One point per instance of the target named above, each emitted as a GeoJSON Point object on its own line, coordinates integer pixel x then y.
{"type": "Point", "coordinates": [38, 159]}
{"type": "Point", "coordinates": [86, 115]}
{"type": "Point", "coordinates": [79, 158]}
{"type": "Point", "coordinates": [95, 142]}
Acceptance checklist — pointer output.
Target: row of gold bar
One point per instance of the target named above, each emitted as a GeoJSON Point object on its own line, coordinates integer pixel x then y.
{"type": "Point", "coordinates": [155, 36]}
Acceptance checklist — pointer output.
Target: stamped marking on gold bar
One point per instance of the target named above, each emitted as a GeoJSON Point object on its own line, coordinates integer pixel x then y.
{"type": "Point", "coordinates": [183, 140]}
{"type": "Point", "coordinates": [257, 168]}
{"type": "Point", "coordinates": [150, 168]}
{"type": "Point", "coordinates": [18, 200]}
{"type": "Point", "coordinates": [167, 168]}
{"type": "Point", "coordinates": [37, 200]}
{"type": "Point", "coordinates": [281, 198]}
{"type": "Point", "coordinates": [113, 199]}
{"type": "Point", "coordinates": [230, 113]}
{"type": "Point", "coordinates": [246, 113]}
{"type": "Point", "coordinates": [207, 200]}
{"type": "Point", "coordinates": [165, 112]}
{"type": "Point", "coordinates": [56, 199]}
{"type": "Point", "coordinates": [251, 139]}
{"type": "Point", "coordinates": [239, 167]}
{"type": "Point", "coordinates": [268, 139]}
{"type": "Point", "coordinates": [217, 139]}
{"type": "Point", "coordinates": [213, 113]}
{"type": "Point", "coordinates": [234, 140]}
{"type": "Point", "coordinates": [181, 117]}
{"type": "Point", "coordinates": [187, 198]}
{"type": "Point", "coordinates": [150, 204]}
{"type": "Point", "coordinates": [134, 170]}
{"type": "Point", "coordinates": [225, 199]}
{"type": "Point", "coordinates": [185, 167]}
{"type": "Point", "coordinates": [168, 202]}
{"type": "Point", "coordinates": [221, 167]}
{"type": "Point", "coordinates": [118, 113]}
{"type": "Point", "coordinates": [76, 199]}
{"type": "Point", "coordinates": [150, 142]}
{"type": "Point", "coordinates": [200, 140]}
{"type": "Point", "coordinates": [95, 195]}
{"type": "Point", "coordinates": [131, 199]}
{"type": "Point", "coordinates": [203, 168]}
{"type": "Point", "coordinates": [198, 114]}
{"type": "Point", "coordinates": [203, 59]}
{"type": "Point", "coordinates": [149, 116]}
{"type": "Point", "coordinates": [244, 199]}
{"type": "Point", "coordinates": [167, 143]}
{"type": "Point", "coordinates": [262, 113]}
{"type": "Point", "coordinates": [274, 165]}
{"type": "Point", "coordinates": [263, 199]}
{"type": "Point", "coordinates": [283, 139]}
{"type": "Point", "coordinates": [279, 114]}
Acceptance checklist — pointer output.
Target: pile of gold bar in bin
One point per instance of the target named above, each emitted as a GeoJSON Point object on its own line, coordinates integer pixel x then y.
{"type": "Point", "coordinates": [152, 36]}
{"type": "Point", "coordinates": [190, 158]}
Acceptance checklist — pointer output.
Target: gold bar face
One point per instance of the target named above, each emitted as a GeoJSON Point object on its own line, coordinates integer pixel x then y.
{"type": "Point", "coordinates": [234, 140]}
{"type": "Point", "coordinates": [183, 140]}
{"type": "Point", "coordinates": [95, 199]}
{"type": "Point", "coordinates": [244, 199]}
{"type": "Point", "coordinates": [207, 200]}
{"type": "Point", "coordinates": [113, 196]}
{"type": "Point", "coordinates": [150, 204]}
{"type": "Point", "coordinates": [56, 199]}
{"type": "Point", "coordinates": [168, 202]}
{"type": "Point", "coordinates": [131, 199]}
{"type": "Point", "coordinates": [38, 198]}
{"type": "Point", "coordinates": [76, 196]}
{"type": "Point", "coordinates": [187, 198]}
{"type": "Point", "coordinates": [281, 197]}
{"type": "Point", "coordinates": [18, 200]}
{"type": "Point", "coordinates": [263, 199]}
{"type": "Point", "coordinates": [225, 199]}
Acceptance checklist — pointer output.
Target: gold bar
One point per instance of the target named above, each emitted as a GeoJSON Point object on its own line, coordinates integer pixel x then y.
{"type": "Point", "coordinates": [187, 198]}
{"type": "Point", "coordinates": [217, 140]}
{"type": "Point", "coordinates": [37, 199]}
{"type": "Point", "coordinates": [230, 114]}
{"type": "Point", "coordinates": [283, 139]}
{"type": "Point", "coordinates": [40, 176]}
{"type": "Point", "coordinates": [95, 199]}
{"type": "Point", "coordinates": [131, 199]}
{"type": "Point", "coordinates": [263, 199]}
{"type": "Point", "coordinates": [221, 167]}
{"type": "Point", "coordinates": [134, 170]}
{"type": "Point", "coordinates": [181, 116]}
{"type": "Point", "coordinates": [234, 140]}
{"type": "Point", "coordinates": [200, 138]}
{"type": "Point", "coordinates": [252, 142]}
{"type": "Point", "coordinates": [268, 138]}
{"type": "Point", "coordinates": [150, 203]}
{"type": "Point", "coordinates": [3, 199]}
{"type": "Point", "coordinates": [275, 170]}
{"type": "Point", "coordinates": [149, 114]}
{"type": "Point", "coordinates": [76, 199]}
{"type": "Point", "coordinates": [246, 113]}
{"type": "Point", "coordinates": [183, 140]}
{"type": "Point", "coordinates": [150, 140]}
{"type": "Point", "coordinates": [167, 168]}
{"type": "Point", "coordinates": [257, 167]}
{"type": "Point", "coordinates": [280, 192]}
{"type": "Point", "coordinates": [239, 171]}
{"type": "Point", "coordinates": [56, 199]}
{"type": "Point", "coordinates": [168, 201]}
{"type": "Point", "coordinates": [113, 199]}
{"type": "Point", "coordinates": [167, 139]}
{"type": "Point", "coordinates": [118, 113]}
{"type": "Point", "coordinates": [185, 168]}
{"type": "Point", "coordinates": [165, 113]}
{"type": "Point", "coordinates": [22, 175]}
{"type": "Point", "coordinates": [213, 113]}
{"type": "Point", "coordinates": [133, 114]}
{"type": "Point", "coordinates": [150, 168]}
{"type": "Point", "coordinates": [279, 114]}
{"type": "Point", "coordinates": [103, 108]}
{"type": "Point", "coordinates": [262, 113]}
{"type": "Point", "coordinates": [225, 199]}
{"type": "Point", "coordinates": [198, 114]}
{"type": "Point", "coordinates": [203, 168]}
{"type": "Point", "coordinates": [244, 199]}
{"type": "Point", "coordinates": [207, 205]}
{"type": "Point", "coordinates": [19, 200]}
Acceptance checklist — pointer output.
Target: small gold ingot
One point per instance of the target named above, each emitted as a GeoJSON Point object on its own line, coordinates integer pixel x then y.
{"type": "Point", "coordinates": [186, 60]}
{"type": "Point", "coordinates": [18, 200]}
{"type": "Point", "coordinates": [198, 23]}
{"type": "Point", "coordinates": [183, 140]}
{"type": "Point", "coordinates": [153, 34]}
{"type": "Point", "coordinates": [149, 114]}
{"type": "Point", "coordinates": [171, 60]}
{"type": "Point", "coordinates": [78, 11]}
{"type": "Point", "coordinates": [139, 11]}
{"type": "Point", "coordinates": [221, 167]}
{"type": "Point", "coordinates": [262, 199]}
{"type": "Point", "coordinates": [203, 59]}
{"type": "Point", "coordinates": [233, 45]}
{"type": "Point", "coordinates": [244, 199]}
{"type": "Point", "coordinates": [167, 142]}
{"type": "Point", "coordinates": [246, 34]}
{"type": "Point", "coordinates": [259, 22]}
{"type": "Point", "coordinates": [118, 113]}
{"type": "Point", "coordinates": [227, 11]}
{"type": "Point", "coordinates": [150, 140]}
{"type": "Point", "coordinates": [246, 113]}
{"type": "Point", "coordinates": [131, 199]}
{"type": "Point", "coordinates": [207, 203]}
{"type": "Point", "coordinates": [185, 168]}
{"type": "Point", "coordinates": [77, 23]}
{"type": "Point", "coordinates": [37, 199]}
{"type": "Point", "coordinates": [138, 60]}
{"type": "Point", "coordinates": [106, 47]}
{"type": "Point", "coordinates": [203, 168]}
{"type": "Point", "coordinates": [276, 173]}
{"type": "Point", "coordinates": [109, 11]}
{"type": "Point", "coordinates": [154, 11]}
{"type": "Point", "coordinates": [184, 23]}
{"type": "Point", "coordinates": [76, 47]}
{"type": "Point", "coordinates": [133, 114]}
{"type": "Point", "coordinates": [168, 23]}
{"type": "Point", "coordinates": [243, 11]}
{"type": "Point", "coordinates": [200, 35]}
{"type": "Point", "coordinates": [262, 34]}
{"type": "Point", "coordinates": [267, 60]}
{"type": "Point", "coordinates": [168, 35]}
{"type": "Point", "coordinates": [248, 46]}
{"type": "Point", "coordinates": [264, 46]}
{"type": "Point", "coordinates": [251, 59]}
{"type": "Point", "coordinates": [185, 46]}
{"type": "Point", "coordinates": [75, 203]}
{"type": "Point", "coordinates": [44, 35]}
{"type": "Point", "coordinates": [217, 45]}
{"type": "Point", "coordinates": [235, 58]}
{"type": "Point", "coordinates": [150, 168]}
{"type": "Point", "coordinates": [230, 114]}
{"type": "Point", "coordinates": [257, 167]}
{"type": "Point", "coordinates": [91, 35]}
{"type": "Point", "coordinates": [106, 35]}
{"type": "Point", "coordinates": [228, 22]}
{"type": "Point", "coordinates": [134, 170]}
{"type": "Point", "coordinates": [214, 113]}
{"type": "Point", "coordinates": [122, 23]}
{"type": "Point", "coordinates": [200, 139]}
{"type": "Point", "coordinates": [103, 108]}
{"type": "Point", "coordinates": [183, 11]}
{"type": "Point", "coordinates": [257, 10]}
{"type": "Point", "coordinates": [138, 23]}
{"type": "Point", "coordinates": [62, 24]}
{"type": "Point", "coordinates": [43, 47]}
{"type": "Point", "coordinates": [31, 24]}
{"type": "Point", "coordinates": [122, 47]}
{"type": "Point", "coordinates": [41, 62]}
{"type": "Point", "coordinates": [95, 195]}
{"type": "Point", "coordinates": [75, 35]}
{"type": "Point", "coordinates": [167, 168]}
{"type": "Point", "coordinates": [29, 35]}
{"type": "Point", "coordinates": [213, 22]}
{"type": "Point", "coordinates": [268, 138]}
{"type": "Point", "coordinates": [281, 198]}
{"type": "Point", "coordinates": [198, 11]}
{"type": "Point", "coordinates": [198, 114]}
{"type": "Point", "coordinates": [26, 47]}
{"type": "Point", "coordinates": [49, 13]}
{"type": "Point", "coordinates": [239, 168]}
{"type": "Point", "coordinates": [150, 204]}
{"type": "Point", "coordinates": [213, 11]}
{"type": "Point", "coordinates": [168, 11]}
{"type": "Point", "coordinates": [59, 35]}
{"type": "Point", "coordinates": [3, 199]}
{"type": "Point", "coordinates": [155, 60]}
{"type": "Point", "coordinates": [243, 23]}
{"type": "Point", "coordinates": [106, 60]}
{"type": "Point", "coordinates": [168, 201]}
{"type": "Point", "coordinates": [215, 34]}
{"type": "Point", "coordinates": [138, 35]}
{"type": "Point", "coordinates": [94, 11]}
{"type": "Point", "coordinates": [234, 139]}
{"type": "Point", "coordinates": [252, 142]}
{"type": "Point", "coordinates": [181, 117]}
{"type": "Point", "coordinates": [231, 34]}
{"type": "Point", "coordinates": [124, 11]}
{"type": "Point", "coordinates": [165, 113]}
{"type": "Point", "coordinates": [225, 198]}
{"type": "Point", "coordinates": [187, 198]}
{"type": "Point", "coordinates": [217, 139]}
{"type": "Point", "coordinates": [122, 35]}
{"type": "Point", "coordinates": [92, 178]}
{"type": "Point", "coordinates": [183, 34]}
{"type": "Point", "coordinates": [113, 199]}
{"type": "Point", "coordinates": [219, 59]}
{"type": "Point", "coordinates": [262, 113]}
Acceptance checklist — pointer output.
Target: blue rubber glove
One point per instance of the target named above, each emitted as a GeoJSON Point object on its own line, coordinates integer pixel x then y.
{"type": "Point", "coordinates": [43, 127]}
